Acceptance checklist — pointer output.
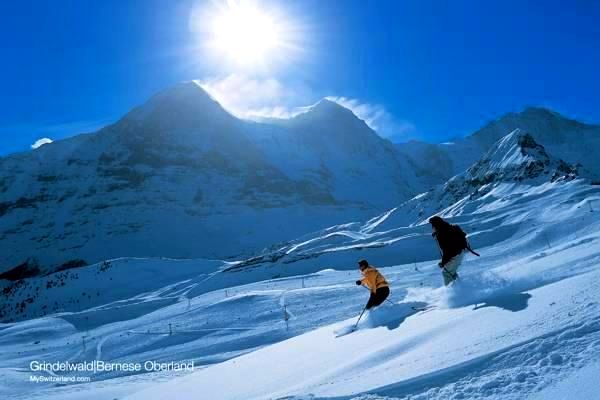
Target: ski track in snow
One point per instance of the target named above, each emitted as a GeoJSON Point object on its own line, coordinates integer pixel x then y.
{"type": "Point", "coordinates": [536, 350]}
{"type": "Point", "coordinates": [537, 247]}
{"type": "Point", "coordinates": [506, 374]}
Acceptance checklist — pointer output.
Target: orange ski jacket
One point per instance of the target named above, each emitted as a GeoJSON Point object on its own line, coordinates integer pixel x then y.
{"type": "Point", "coordinates": [373, 279]}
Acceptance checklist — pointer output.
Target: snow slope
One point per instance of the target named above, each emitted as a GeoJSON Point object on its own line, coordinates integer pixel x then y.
{"type": "Point", "coordinates": [580, 385]}
{"type": "Point", "coordinates": [522, 317]}
{"type": "Point", "coordinates": [505, 347]}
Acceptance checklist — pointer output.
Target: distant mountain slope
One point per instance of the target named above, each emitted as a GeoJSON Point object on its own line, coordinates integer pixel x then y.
{"type": "Point", "coordinates": [516, 190]}
{"type": "Point", "coordinates": [181, 177]}
{"type": "Point", "coordinates": [514, 164]}
{"type": "Point", "coordinates": [329, 146]}
{"type": "Point", "coordinates": [515, 177]}
{"type": "Point", "coordinates": [570, 140]}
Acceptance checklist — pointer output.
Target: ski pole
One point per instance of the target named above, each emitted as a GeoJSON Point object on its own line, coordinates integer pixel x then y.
{"type": "Point", "coordinates": [359, 317]}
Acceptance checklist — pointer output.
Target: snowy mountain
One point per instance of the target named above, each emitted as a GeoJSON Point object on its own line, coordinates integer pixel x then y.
{"type": "Point", "coordinates": [522, 318]}
{"type": "Point", "coordinates": [181, 177]}
{"type": "Point", "coordinates": [570, 140]}
{"type": "Point", "coordinates": [516, 169]}
{"type": "Point", "coordinates": [514, 159]}
{"type": "Point", "coordinates": [517, 156]}
{"type": "Point", "coordinates": [521, 321]}
{"type": "Point", "coordinates": [349, 158]}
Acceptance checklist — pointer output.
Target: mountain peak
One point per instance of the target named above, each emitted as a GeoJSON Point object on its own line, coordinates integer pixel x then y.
{"type": "Point", "coordinates": [517, 156]}
{"type": "Point", "coordinates": [327, 108]}
{"type": "Point", "coordinates": [536, 112]}
{"type": "Point", "coordinates": [193, 88]}
{"type": "Point", "coordinates": [511, 151]}
{"type": "Point", "coordinates": [539, 110]}
{"type": "Point", "coordinates": [185, 105]}
{"type": "Point", "coordinates": [332, 114]}
{"type": "Point", "coordinates": [543, 124]}
{"type": "Point", "coordinates": [187, 94]}
{"type": "Point", "coordinates": [328, 104]}
{"type": "Point", "coordinates": [516, 148]}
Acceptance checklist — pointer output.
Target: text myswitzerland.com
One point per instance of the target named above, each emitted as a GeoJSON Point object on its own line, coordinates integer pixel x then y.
{"type": "Point", "coordinates": [59, 379]}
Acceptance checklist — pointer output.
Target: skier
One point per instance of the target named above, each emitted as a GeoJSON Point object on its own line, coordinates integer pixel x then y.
{"type": "Point", "coordinates": [375, 282]}
{"type": "Point", "coordinates": [452, 241]}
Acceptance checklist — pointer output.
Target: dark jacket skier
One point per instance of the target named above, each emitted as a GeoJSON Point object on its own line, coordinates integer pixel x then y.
{"type": "Point", "coordinates": [452, 241]}
{"type": "Point", "coordinates": [375, 282]}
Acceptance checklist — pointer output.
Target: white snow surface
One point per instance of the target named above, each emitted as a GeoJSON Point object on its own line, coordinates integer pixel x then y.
{"type": "Point", "coordinates": [582, 384]}
{"type": "Point", "coordinates": [522, 321]}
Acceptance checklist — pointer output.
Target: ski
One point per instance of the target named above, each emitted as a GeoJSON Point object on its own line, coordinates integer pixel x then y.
{"type": "Point", "coordinates": [423, 309]}
{"type": "Point", "coordinates": [344, 332]}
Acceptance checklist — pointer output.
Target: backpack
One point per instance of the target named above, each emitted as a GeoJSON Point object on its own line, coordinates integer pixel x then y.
{"type": "Point", "coordinates": [460, 239]}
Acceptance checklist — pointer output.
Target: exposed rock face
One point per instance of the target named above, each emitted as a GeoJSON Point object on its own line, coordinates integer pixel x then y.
{"type": "Point", "coordinates": [181, 177]}
{"type": "Point", "coordinates": [567, 139]}
{"type": "Point", "coordinates": [514, 159]}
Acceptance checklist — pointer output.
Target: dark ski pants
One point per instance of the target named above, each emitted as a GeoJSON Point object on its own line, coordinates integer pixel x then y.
{"type": "Point", "coordinates": [378, 297]}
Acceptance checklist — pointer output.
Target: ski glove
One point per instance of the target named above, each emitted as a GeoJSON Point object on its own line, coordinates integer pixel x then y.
{"type": "Point", "coordinates": [359, 282]}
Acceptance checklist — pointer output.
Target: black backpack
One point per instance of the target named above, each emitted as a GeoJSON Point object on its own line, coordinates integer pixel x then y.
{"type": "Point", "coordinates": [459, 237]}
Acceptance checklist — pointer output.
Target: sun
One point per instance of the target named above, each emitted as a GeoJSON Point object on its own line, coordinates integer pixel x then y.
{"type": "Point", "coordinates": [245, 34]}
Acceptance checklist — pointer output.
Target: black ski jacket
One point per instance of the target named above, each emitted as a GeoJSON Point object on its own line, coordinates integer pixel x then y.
{"type": "Point", "coordinates": [452, 241]}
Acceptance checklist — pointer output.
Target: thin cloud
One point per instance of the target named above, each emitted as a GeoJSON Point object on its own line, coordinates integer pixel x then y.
{"type": "Point", "coordinates": [40, 142]}
{"type": "Point", "coordinates": [259, 98]}
{"type": "Point", "coordinates": [27, 133]}
{"type": "Point", "coordinates": [378, 118]}
{"type": "Point", "coordinates": [248, 97]}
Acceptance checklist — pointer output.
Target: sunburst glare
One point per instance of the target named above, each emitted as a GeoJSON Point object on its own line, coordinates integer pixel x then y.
{"type": "Point", "coordinates": [247, 35]}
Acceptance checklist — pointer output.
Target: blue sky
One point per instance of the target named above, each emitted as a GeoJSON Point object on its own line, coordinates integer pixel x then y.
{"type": "Point", "coordinates": [415, 69]}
